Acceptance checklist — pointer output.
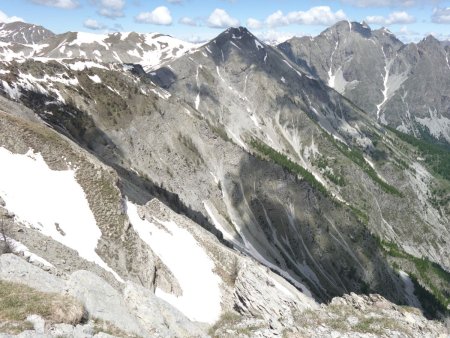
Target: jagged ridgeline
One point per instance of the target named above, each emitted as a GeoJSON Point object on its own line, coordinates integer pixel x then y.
{"type": "Point", "coordinates": [405, 86]}
{"type": "Point", "coordinates": [255, 166]}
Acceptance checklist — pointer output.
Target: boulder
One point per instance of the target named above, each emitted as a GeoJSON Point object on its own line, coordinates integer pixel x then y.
{"type": "Point", "coordinates": [18, 270]}
{"type": "Point", "coordinates": [102, 301]}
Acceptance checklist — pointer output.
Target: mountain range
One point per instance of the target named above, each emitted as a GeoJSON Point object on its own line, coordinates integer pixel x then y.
{"type": "Point", "coordinates": [241, 183]}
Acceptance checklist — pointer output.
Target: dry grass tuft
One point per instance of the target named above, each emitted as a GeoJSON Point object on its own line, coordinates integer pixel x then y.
{"type": "Point", "coordinates": [18, 301]}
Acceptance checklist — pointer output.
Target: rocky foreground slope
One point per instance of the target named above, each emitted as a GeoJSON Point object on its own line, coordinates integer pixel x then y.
{"type": "Point", "coordinates": [227, 182]}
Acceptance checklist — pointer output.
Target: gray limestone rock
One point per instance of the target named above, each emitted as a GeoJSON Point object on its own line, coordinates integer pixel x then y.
{"type": "Point", "coordinates": [102, 301]}
{"type": "Point", "coordinates": [168, 323]}
{"type": "Point", "coordinates": [18, 270]}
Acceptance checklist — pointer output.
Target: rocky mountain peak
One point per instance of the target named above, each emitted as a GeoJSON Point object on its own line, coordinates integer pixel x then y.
{"type": "Point", "coordinates": [430, 41]}
{"type": "Point", "coordinates": [346, 27]}
{"type": "Point", "coordinates": [235, 35]}
{"type": "Point", "coordinates": [240, 39]}
{"type": "Point", "coordinates": [24, 33]}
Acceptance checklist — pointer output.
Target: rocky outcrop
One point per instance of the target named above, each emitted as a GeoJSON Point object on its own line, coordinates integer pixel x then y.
{"type": "Point", "coordinates": [260, 294]}
{"type": "Point", "coordinates": [402, 85]}
{"type": "Point", "coordinates": [16, 269]}
{"type": "Point", "coordinates": [169, 322]}
{"type": "Point", "coordinates": [136, 311]}
{"type": "Point", "coordinates": [102, 301]}
{"type": "Point", "coordinates": [365, 316]}
{"type": "Point", "coordinates": [350, 316]}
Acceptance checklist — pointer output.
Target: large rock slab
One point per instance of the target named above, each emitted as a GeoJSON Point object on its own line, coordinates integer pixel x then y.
{"type": "Point", "coordinates": [16, 269]}
{"type": "Point", "coordinates": [158, 316]}
{"type": "Point", "coordinates": [260, 293]}
{"type": "Point", "coordinates": [102, 301]}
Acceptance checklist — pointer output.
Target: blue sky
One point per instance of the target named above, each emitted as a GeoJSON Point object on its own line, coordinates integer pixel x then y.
{"type": "Point", "coordinates": [197, 20]}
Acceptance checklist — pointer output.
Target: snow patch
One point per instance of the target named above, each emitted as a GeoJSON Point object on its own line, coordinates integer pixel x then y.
{"type": "Point", "coordinates": [409, 289]}
{"type": "Point", "coordinates": [95, 78]}
{"type": "Point", "coordinates": [258, 44]}
{"type": "Point", "coordinates": [47, 199]}
{"type": "Point", "coordinates": [189, 263]}
{"type": "Point", "coordinates": [331, 76]}
{"type": "Point", "coordinates": [82, 65]}
{"type": "Point", "coordinates": [87, 38]}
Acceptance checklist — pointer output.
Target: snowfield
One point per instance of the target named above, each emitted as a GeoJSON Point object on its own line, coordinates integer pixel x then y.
{"type": "Point", "coordinates": [189, 263]}
{"type": "Point", "coordinates": [50, 201]}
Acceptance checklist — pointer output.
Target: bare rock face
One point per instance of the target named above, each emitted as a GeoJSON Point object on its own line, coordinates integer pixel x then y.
{"type": "Point", "coordinates": [405, 86]}
{"type": "Point", "coordinates": [24, 33]}
{"type": "Point", "coordinates": [16, 269]}
{"type": "Point", "coordinates": [169, 322]}
{"type": "Point", "coordinates": [262, 294]}
{"type": "Point", "coordinates": [102, 301]}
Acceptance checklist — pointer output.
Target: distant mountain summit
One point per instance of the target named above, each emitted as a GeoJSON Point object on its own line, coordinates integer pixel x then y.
{"type": "Point", "coordinates": [24, 33]}
{"type": "Point", "coordinates": [406, 86]}
{"type": "Point", "coordinates": [150, 50]}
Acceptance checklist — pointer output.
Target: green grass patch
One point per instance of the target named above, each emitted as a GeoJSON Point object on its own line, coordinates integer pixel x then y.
{"type": "Point", "coordinates": [287, 164]}
{"type": "Point", "coordinates": [433, 298]}
{"type": "Point", "coordinates": [226, 319]}
{"type": "Point", "coordinates": [356, 156]}
{"type": "Point", "coordinates": [437, 156]}
{"type": "Point", "coordinates": [18, 301]}
{"type": "Point", "coordinates": [362, 216]}
{"type": "Point", "coordinates": [109, 328]}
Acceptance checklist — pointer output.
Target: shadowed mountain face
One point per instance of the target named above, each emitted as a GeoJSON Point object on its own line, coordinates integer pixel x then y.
{"type": "Point", "coordinates": [404, 86]}
{"type": "Point", "coordinates": [258, 149]}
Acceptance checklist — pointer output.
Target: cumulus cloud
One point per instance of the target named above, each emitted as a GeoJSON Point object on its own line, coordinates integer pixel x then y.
{"type": "Point", "coordinates": [391, 19]}
{"type": "Point", "coordinates": [7, 19]}
{"type": "Point", "coordinates": [198, 39]}
{"type": "Point", "coordinates": [320, 15]}
{"type": "Point", "coordinates": [441, 15]}
{"type": "Point", "coordinates": [93, 24]}
{"type": "Point", "coordinates": [219, 18]}
{"type": "Point", "coordinates": [273, 37]}
{"type": "Point", "coordinates": [406, 35]}
{"type": "Point", "coordinates": [389, 3]}
{"type": "Point", "coordinates": [159, 16]}
{"type": "Point", "coordinates": [65, 4]}
{"type": "Point", "coordinates": [254, 24]}
{"type": "Point", "coordinates": [187, 21]}
{"type": "Point", "coordinates": [110, 8]}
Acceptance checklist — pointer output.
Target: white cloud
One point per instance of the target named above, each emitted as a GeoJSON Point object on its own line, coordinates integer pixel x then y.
{"type": "Point", "coordinates": [389, 3]}
{"type": "Point", "coordinates": [93, 24]}
{"type": "Point", "coordinates": [159, 16]}
{"type": "Point", "coordinates": [441, 15]}
{"type": "Point", "coordinates": [320, 15]}
{"type": "Point", "coordinates": [391, 19]}
{"type": "Point", "coordinates": [197, 39]}
{"type": "Point", "coordinates": [187, 21]}
{"type": "Point", "coordinates": [406, 35]}
{"type": "Point", "coordinates": [7, 19]}
{"type": "Point", "coordinates": [66, 4]}
{"type": "Point", "coordinates": [254, 24]}
{"type": "Point", "coordinates": [273, 37]}
{"type": "Point", "coordinates": [110, 8]}
{"type": "Point", "coordinates": [219, 18]}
